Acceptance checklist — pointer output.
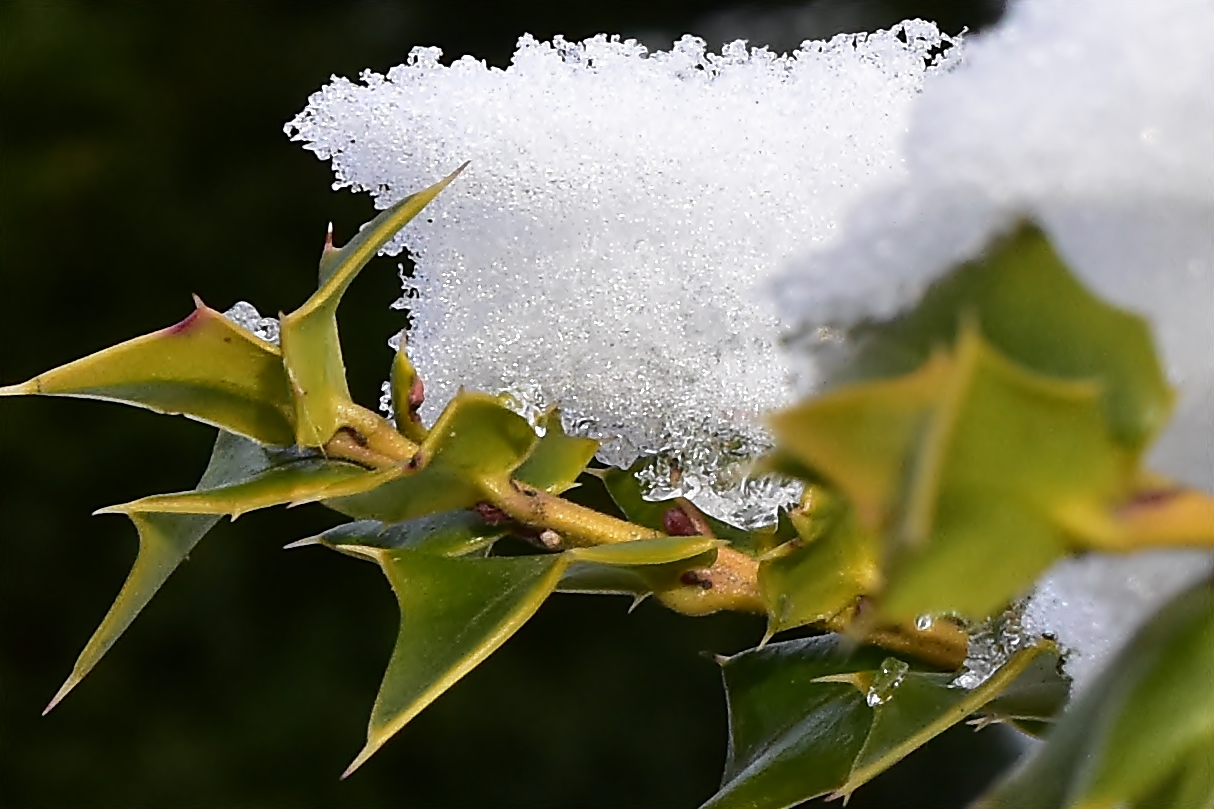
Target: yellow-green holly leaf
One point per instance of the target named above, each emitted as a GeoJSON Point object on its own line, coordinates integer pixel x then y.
{"type": "Point", "coordinates": [205, 367]}
{"type": "Point", "coordinates": [407, 394]}
{"type": "Point", "coordinates": [558, 458]}
{"type": "Point", "coordinates": [475, 437]}
{"type": "Point", "coordinates": [310, 344]}
{"type": "Point", "coordinates": [860, 437]}
{"type": "Point", "coordinates": [164, 542]}
{"type": "Point", "coordinates": [1142, 734]}
{"type": "Point", "coordinates": [455, 612]}
{"type": "Point", "coordinates": [1007, 456]}
{"type": "Point", "coordinates": [294, 483]}
{"type": "Point", "coordinates": [1033, 310]}
{"type": "Point", "coordinates": [824, 571]}
{"type": "Point", "coordinates": [637, 568]}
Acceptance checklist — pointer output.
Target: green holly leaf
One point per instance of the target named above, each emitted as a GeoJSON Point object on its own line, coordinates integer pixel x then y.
{"type": "Point", "coordinates": [1142, 734]}
{"type": "Point", "coordinates": [859, 437]}
{"type": "Point", "coordinates": [449, 533]}
{"type": "Point", "coordinates": [311, 347]}
{"type": "Point", "coordinates": [205, 367]}
{"type": "Point", "coordinates": [455, 612]}
{"type": "Point", "coordinates": [822, 572]}
{"type": "Point", "coordinates": [558, 458]}
{"type": "Point", "coordinates": [294, 483]}
{"type": "Point", "coordinates": [165, 540]}
{"type": "Point", "coordinates": [475, 437]}
{"type": "Point", "coordinates": [1029, 307]}
{"type": "Point", "coordinates": [814, 717]}
{"type": "Point", "coordinates": [1007, 459]}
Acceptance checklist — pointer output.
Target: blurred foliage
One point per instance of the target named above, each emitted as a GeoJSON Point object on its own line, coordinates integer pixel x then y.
{"type": "Point", "coordinates": [143, 160]}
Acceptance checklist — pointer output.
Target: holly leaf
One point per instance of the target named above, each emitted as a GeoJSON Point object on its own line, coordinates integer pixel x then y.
{"type": "Point", "coordinates": [206, 368]}
{"type": "Point", "coordinates": [295, 483]}
{"type": "Point", "coordinates": [165, 540]}
{"type": "Point", "coordinates": [1033, 310]}
{"type": "Point", "coordinates": [558, 458]}
{"type": "Point", "coordinates": [638, 568]}
{"type": "Point", "coordinates": [475, 437]}
{"type": "Point", "coordinates": [1007, 459]}
{"type": "Point", "coordinates": [823, 571]}
{"type": "Point", "coordinates": [311, 347]}
{"type": "Point", "coordinates": [816, 717]}
{"type": "Point", "coordinates": [1141, 735]}
{"type": "Point", "coordinates": [448, 533]}
{"type": "Point", "coordinates": [455, 612]}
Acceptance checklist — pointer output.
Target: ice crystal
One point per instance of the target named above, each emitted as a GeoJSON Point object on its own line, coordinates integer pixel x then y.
{"type": "Point", "coordinates": [245, 315]}
{"type": "Point", "coordinates": [1096, 118]}
{"type": "Point", "coordinates": [609, 245]}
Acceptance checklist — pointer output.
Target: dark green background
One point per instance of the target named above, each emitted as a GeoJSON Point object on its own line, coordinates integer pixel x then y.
{"type": "Point", "coordinates": [142, 159]}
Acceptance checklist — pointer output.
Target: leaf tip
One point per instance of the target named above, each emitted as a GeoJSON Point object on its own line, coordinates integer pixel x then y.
{"type": "Point", "coordinates": [63, 691]}
{"type": "Point", "coordinates": [361, 758]}
{"type": "Point", "coordinates": [303, 543]}
{"type": "Point", "coordinates": [23, 389]}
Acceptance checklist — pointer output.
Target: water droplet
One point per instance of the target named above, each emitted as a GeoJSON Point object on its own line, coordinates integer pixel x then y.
{"type": "Point", "coordinates": [886, 681]}
{"type": "Point", "coordinates": [924, 622]}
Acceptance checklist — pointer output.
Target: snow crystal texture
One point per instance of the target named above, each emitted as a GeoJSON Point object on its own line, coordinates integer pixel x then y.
{"type": "Point", "coordinates": [1095, 117]}
{"type": "Point", "coordinates": [609, 247]}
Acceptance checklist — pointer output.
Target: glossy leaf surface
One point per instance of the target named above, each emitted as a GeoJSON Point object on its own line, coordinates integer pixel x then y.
{"type": "Point", "coordinates": [165, 540]}
{"type": "Point", "coordinates": [310, 344]}
{"type": "Point", "coordinates": [1142, 733]}
{"type": "Point", "coordinates": [456, 611]}
{"type": "Point", "coordinates": [474, 438]}
{"type": "Point", "coordinates": [808, 718]}
{"type": "Point", "coordinates": [205, 367]}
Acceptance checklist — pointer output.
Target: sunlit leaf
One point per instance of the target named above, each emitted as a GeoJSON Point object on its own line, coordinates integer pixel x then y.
{"type": "Point", "coordinates": [205, 367]}
{"type": "Point", "coordinates": [558, 458]}
{"type": "Point", "coordinates": [1143, 731]}
{"type": "Point", "coordinates": [454, 613]}
{"type": "Point", "coordinates": [407, 393]}
{"type": "Point", "coordinates": [821, 573]}
{"type": "Point", "coordinates": [860, 437]}
{"type": "Point", "coordinates": [1008, 455]}
{"type": "Point", "coordinates": [165, 540]}
{"type": "Point", "coordinates": [1033, 310]}
{"type": "Point", "coordinates": [292, 484]}
{"type": "Point", "coordinates": [474, 438]}
{"type": "Point", "coordinates": [310, 344]}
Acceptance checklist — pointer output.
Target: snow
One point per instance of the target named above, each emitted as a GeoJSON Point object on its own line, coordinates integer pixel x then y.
{"type": "Point", "coordinates": [610, 244]}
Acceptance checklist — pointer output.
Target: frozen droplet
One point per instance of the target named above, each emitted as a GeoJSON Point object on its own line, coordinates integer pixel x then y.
{"type": "Point", "coordinates": [245, 315]}
{"type": "Point", "coordinates": [886, 681]}
{"type": "Point", "coordinates": [991, 644]}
